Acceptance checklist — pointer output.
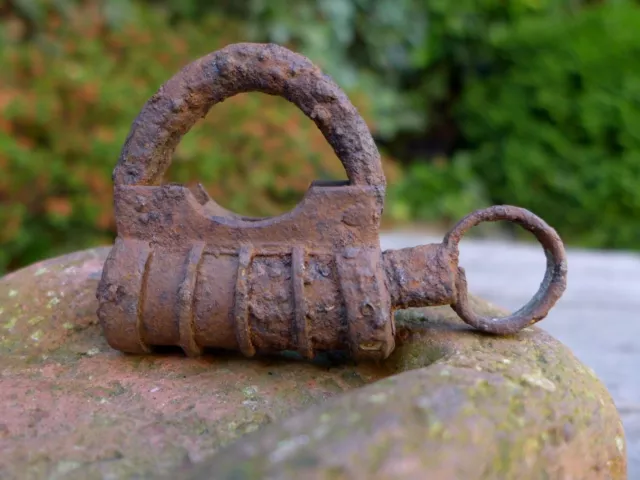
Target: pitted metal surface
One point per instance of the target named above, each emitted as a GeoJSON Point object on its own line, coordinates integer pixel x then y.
{"type": "Point", "coordinates": [184, 271]}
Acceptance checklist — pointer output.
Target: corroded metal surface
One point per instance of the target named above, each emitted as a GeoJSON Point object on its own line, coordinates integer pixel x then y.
{"type": "Point", "coordinates": [551, 288]}
{"type": "Point", "coordinates": [184, 271]}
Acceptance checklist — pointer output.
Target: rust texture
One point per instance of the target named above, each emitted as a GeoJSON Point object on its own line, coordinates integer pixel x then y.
{"type": "Point", "coordinates": [186, 272]}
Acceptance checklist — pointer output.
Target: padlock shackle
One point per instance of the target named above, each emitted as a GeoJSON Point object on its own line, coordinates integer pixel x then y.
{"type": "Point", "coordinates": [240, 68]}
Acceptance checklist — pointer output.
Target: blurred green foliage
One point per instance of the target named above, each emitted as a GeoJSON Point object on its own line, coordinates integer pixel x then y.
{"type": "Point", "coordinates": [556, 126]}
{"type": "Point", "coordinates": [68, 97]}
{"type": "Point", "coordinates": [529, 102]}
{"type": "Point", "coordinates": [533, 102]}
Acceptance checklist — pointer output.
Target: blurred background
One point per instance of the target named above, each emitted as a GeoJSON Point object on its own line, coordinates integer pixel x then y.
{"type": "Point", "coordinates": [472, 102]}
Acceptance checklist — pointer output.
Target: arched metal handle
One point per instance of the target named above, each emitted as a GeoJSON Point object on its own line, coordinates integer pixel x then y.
{"type": "Point", "coordinates": [238, 68]}
{"type": "Point", "coordinates": [551, 288]}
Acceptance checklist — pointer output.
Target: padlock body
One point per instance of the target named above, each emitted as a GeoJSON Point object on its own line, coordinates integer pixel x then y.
{"type": "Point", "coordinates": [310, 280]}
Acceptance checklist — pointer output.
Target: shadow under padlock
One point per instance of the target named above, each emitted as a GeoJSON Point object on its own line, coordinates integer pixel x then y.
{"type": "Point", "coordinates": [185, 271]}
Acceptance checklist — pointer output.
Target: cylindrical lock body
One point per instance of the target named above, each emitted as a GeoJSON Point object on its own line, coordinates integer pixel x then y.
{"type": "Point", "coordinates": [248, 300]}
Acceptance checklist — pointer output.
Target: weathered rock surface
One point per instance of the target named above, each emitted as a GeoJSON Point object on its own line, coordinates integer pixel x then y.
{"type": "Point", "coordinates": [450, 403]}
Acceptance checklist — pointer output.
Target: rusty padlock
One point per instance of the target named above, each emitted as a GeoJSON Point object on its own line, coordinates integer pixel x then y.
{"type": "Point", "coordinates": [186, 272]}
